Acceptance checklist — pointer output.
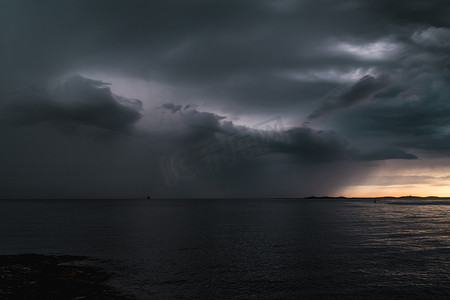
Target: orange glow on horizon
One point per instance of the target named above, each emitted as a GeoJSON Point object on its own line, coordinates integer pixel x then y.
{"type": "Point", "coordinates": [422, 177]}
{"type": "Point", "coordinates": [394, 191]}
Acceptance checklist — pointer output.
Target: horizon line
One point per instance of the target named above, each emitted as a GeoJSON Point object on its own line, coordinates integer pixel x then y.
{"type": "Point", "coordinates": [235, 198]}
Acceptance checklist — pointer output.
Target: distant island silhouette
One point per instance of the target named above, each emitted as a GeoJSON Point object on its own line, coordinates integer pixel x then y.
{"type": "Point", "coordinates": [384, 197]}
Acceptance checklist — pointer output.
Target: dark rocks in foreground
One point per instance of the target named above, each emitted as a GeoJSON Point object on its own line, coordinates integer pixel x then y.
{"type": "Point", "coordinates": [35, 276]}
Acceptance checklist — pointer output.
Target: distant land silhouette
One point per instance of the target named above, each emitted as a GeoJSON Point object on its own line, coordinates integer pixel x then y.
{"type": "Point", "coordinates": [384, 197]}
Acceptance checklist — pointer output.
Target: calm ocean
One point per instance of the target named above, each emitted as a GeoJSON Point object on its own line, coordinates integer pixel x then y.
{"type": "Point", "coordinates": [261, 249]}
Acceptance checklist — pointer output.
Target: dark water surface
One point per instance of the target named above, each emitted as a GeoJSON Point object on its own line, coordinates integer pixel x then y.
{"type": "Point", "coordinates": [261, 249]}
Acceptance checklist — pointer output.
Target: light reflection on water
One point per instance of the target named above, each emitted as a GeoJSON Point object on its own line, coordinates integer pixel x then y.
{"type": "Point", "coordinates": [261, 249]}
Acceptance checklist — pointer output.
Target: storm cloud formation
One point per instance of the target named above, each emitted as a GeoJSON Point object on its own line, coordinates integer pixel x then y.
{"type": "Point", "coordinates": [77, 102]}
{"type": "Point", "coordinates": [364, 89]}
{"type": "Point", "coordinates": [236, 98]}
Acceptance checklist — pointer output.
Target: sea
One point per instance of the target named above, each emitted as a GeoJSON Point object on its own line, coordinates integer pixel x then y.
{"type": "Point", "coordinates": [245, 248]}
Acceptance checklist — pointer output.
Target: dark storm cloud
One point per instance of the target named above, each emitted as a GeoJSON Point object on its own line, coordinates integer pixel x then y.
{"type": "Point", "coordinates": [416, 118]}
{"type": "Point", "coordinates": [364, 89]}
{"type": "Point", "coordinates": [235, 155]}
{"type": "Point", "coordinates": [303, 144]}
{"type": "Point", "coordinates": [320, 146]}
{"type": "Point", "coordinates": [78, 102]}
{"type": "Point", "coordinates": [404, 12]}
{"type": "Point", "coordinates": [413, 111]}
{"type": "Point", "coordinates": [372, 73]}
{"type": "Point", "coordinates": [433, 37]}
{"type": "Point", "coordinates": [237, 48]}
{"type": "Point", "coordinates": [312, 146]}
{"type": "Point", "coordinates": [171, 107]}
{"type": "Point", "coordinates": [386, 153]}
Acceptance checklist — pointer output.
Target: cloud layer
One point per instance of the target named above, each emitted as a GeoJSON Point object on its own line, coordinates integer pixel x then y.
{"type": "Point", "coordinates": [78, 102]}
{"type": "Point", "coordinates": [240, 98]}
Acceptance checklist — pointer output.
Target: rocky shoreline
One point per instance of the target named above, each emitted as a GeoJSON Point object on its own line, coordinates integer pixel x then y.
{"type": "Point", "coordinates": [36, 276]}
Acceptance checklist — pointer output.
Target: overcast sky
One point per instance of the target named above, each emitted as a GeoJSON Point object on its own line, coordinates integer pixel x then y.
{"type": "Point", "coordinates": [235, 98]}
